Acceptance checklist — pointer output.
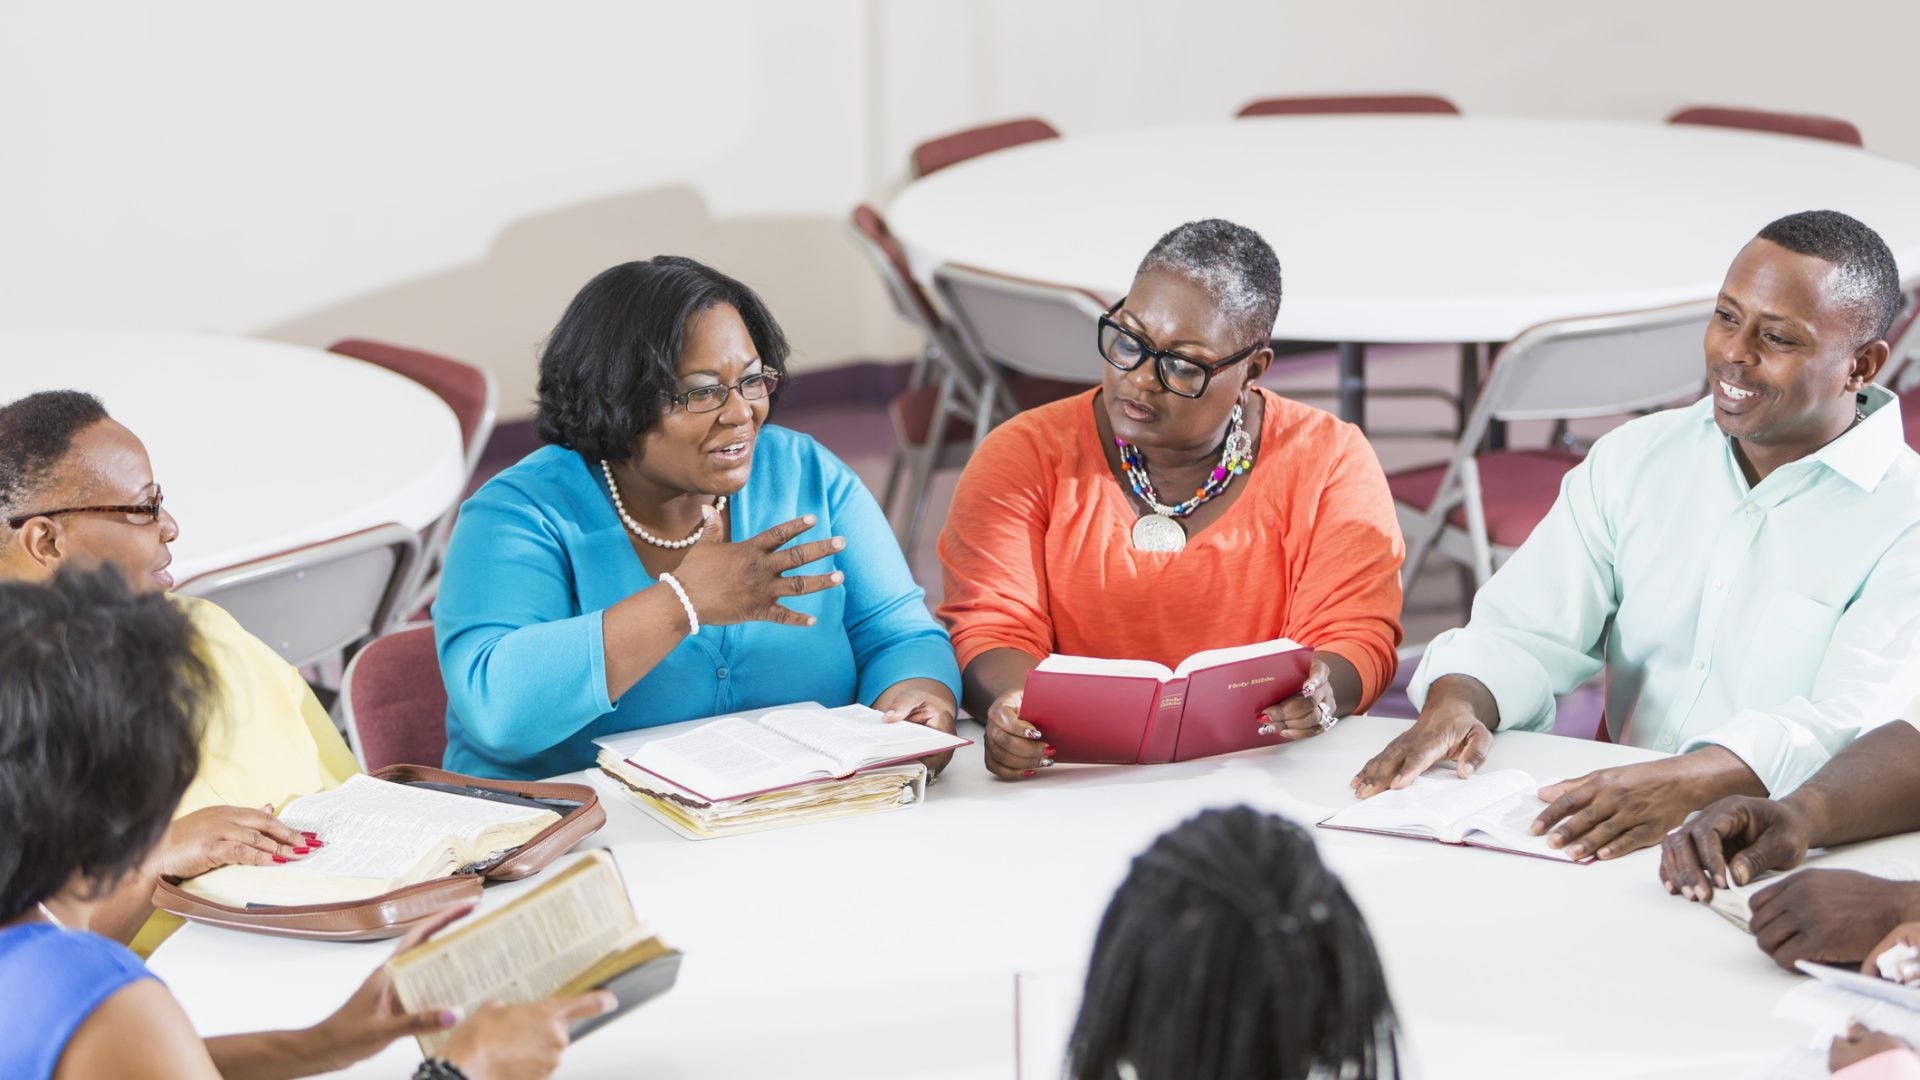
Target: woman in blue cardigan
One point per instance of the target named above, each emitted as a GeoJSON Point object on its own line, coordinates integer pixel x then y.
{"type": "Point", "coordinates": [670, 555]}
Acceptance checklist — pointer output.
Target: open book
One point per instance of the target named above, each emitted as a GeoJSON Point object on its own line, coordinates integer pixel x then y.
{"type": "Point", "coordinates": [1491, 810]}
{"type": "Point", "coordinates": [1127, 711]}
{"type": "Point", "coordinates": [869, 791]}
{"type": "Point", "coordinates": [379, 836]}
{"type": "Point", "coordinates": [734, 757]}
{"type": "Point", "coordinates": [576, 932]}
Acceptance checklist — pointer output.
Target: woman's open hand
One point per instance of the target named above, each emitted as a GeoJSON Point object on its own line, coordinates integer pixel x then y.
{"type": "Point", "coordinates": [745, 582]}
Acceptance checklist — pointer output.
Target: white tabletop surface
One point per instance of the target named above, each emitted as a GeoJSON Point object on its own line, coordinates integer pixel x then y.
{"type": "Point", "coordinates": [1394, 229]}
{"type": "Point", "coordinates": [887, 946]}
{"type": "Point", "coordinates": [260, 446]}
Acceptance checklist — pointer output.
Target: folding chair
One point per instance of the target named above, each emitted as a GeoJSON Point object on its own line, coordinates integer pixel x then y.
{"type": "Point", "coordinates": [313, 602]}
{"type": "Point", "coordinates": [470, 392]}
{"type": "Point", "coordinates": [393, 701]}
{"type": "Point", "coordinates": [1805, 125]}
{"type": "Point", "coordinates": [1356, 103]}
{"type": "Point", "coordinates": [936, 154]}
{"type": "Point", "coordinates": [1478, 507]}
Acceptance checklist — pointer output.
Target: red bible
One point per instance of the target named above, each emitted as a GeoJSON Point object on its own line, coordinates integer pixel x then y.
{"type": "Point", "coordinates": [1121, 712]}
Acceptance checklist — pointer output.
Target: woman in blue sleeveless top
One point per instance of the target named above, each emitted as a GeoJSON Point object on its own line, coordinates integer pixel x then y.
{"type": "Point", "coordinates": [99, 736]}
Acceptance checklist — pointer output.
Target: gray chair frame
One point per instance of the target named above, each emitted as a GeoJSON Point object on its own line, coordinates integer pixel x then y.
{"type": "Point", "coordinates": [1569, 369]}
{"type": "Point", "coordinates": [315, 602]}
{"type": "Point", "coordinates": [424, 584]}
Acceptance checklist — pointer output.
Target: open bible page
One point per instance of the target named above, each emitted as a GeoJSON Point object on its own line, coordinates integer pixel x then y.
{"type": "Point", "coordinates": [1218, 657]}
{"type": "Point", "coordinates": [385, 834]}
{"type": "Point", "coordinates": [1437, 801]}
{"type": "Point", "coordinates": [525, 951]}
{"type": "Point", "coordinates": [731, 757]}
{"type": "Point", "coordinates": [1509, 824]}
{"type": "Point", "coordinates": [1062, 664]}
{"type": "Point", "coordinates": [855, 736]}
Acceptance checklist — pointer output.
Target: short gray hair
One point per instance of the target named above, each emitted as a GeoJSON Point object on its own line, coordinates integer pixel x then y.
{"type": "Point", "coordinates": [1232, 263]}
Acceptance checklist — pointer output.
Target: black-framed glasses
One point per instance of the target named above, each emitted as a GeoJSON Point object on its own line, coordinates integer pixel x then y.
{"type": "Point", "coordinates": [145, 513]}
{"type": "Point", "coordinates": [1182, 375]}
{"type": "Point", "coordinates": [704, 399]}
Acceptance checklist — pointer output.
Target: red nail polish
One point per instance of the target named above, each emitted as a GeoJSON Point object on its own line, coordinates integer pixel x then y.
{"type": "Point", "coordinates": [1029, 772]}
{"type": "Point", "coordinates": [301, 850]}
{"type": "Point", "coordinates": [1047, 752]}
{"type": "Point", "coordinates": [308, 835]}
{"type": "Point", "coordinates": [316, 843]}
{"type": "Point", "coordinates": [279, 858]}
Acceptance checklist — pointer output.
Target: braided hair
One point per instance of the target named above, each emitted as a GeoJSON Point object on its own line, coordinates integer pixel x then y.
{"type": "Point", "coordinates": [1231, 952]}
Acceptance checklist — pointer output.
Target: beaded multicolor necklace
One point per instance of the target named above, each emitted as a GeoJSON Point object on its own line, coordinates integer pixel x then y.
{"type": "Point", "coordinates": [1158, 531]}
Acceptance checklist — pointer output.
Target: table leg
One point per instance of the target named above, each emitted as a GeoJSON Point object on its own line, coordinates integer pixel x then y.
{"type": "Point", "coordinates": [1497, 430]}
{"type": "Point", "coordinates": [1353, 383]}
{"type": "Point", "coordinates": [1469, 384]}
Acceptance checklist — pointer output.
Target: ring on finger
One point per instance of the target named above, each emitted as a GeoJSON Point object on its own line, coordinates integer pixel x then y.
{"type": "Point", "coordinates": [1327, 719]}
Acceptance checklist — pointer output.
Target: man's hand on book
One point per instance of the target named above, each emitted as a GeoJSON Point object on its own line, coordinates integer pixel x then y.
{"type": "Point", "coordinates": [745, 582]}
{"type": "Point", "coordinates": [1450, 728]}
{"type": "Point", "coordinates": [520, 1042]}
{"type": "Point", "coordinates": [218, 836]}
{"type": "Point", "coordinates": [1829, 916]}
{"type": "Point", "coordinates": [1611, 812]}
{"type": "Point", "coordinates": [1731, 843]}
{"type": "Point", "coordinates": [1015, 749]}
{"type": "Point", "coordinates": [1305, 714]}
{"type": "Point", "coordinates": [920, 701]}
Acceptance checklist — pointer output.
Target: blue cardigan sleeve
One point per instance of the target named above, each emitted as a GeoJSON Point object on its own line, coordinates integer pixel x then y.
{"type": "Point", "coordinates": [893, 635]}
{"type": "Point", "coordinates": [523, 667]}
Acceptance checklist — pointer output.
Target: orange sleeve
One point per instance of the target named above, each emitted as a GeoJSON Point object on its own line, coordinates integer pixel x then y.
{"type": "Point", "coordinates": [993, 549]}
{"type": "Point", "coordinates": [1347, 601]}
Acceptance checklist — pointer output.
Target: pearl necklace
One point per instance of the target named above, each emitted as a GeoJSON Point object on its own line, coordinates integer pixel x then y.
{"type": "Point", "coordinates": [640, 531]}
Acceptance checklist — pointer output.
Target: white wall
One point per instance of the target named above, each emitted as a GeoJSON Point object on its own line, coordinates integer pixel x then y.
{"type": "Point", "coordinates": [447, 174]}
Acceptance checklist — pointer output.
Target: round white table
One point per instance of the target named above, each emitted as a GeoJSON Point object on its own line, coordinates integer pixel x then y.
{"type": "Point", "coordinates": [260, 446]}
{"type": "Point", "coordinates": [887, 946]}
{"type": "Point", "coordinates": [1408, 228]}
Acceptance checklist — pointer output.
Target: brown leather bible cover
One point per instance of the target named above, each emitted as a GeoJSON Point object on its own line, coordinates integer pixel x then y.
{"type": "Point", "coordinates": [394, 913]}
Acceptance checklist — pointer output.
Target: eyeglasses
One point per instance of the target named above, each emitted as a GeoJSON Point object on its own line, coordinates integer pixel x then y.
{"type": "Point", "coordinates": [706, 399]}
{"type": "Point", "coordinates": [142, 515]}
{"type": "Point", "coordinates": [1182, 375]}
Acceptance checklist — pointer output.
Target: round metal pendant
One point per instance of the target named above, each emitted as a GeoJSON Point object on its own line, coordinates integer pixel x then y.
{"type": "Point", "coordinates": [1156, 532]}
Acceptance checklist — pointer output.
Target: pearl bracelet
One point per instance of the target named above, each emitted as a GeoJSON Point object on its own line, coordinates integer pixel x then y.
{"type": "Point", "coordinates": [693, 618]}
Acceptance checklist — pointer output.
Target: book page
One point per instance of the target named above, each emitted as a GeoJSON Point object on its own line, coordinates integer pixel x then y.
{"type": "Point", "coordinates": [730, 757]}
{"type": "Point", "coordinates": [854, 735]}
{"type": "Point", "coordinates": [1509, 824]}
{"type": "Point", "coordinates": [1735, 903]}
{"type": "Point", "coordinates": [379, 836]}
{"type": "Point", "coordinates": [1094, 665]}
{"type": "Point", "coordinates": [1217, 657]}
{"type": "Point", "coordinates": [525, 951]}
{"type": "Point", "coordinates": [1437, 801]}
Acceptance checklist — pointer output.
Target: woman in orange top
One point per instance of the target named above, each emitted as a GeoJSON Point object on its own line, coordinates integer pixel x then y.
{"type": "Point", "coordinates": [1177, 507]}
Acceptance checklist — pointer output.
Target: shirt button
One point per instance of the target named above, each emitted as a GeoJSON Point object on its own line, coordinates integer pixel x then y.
{"type": "Point", "coordinates": [1752, 509]}
{"type": "Point", "coordinates": [1698, 665]}
{"type": "Point", "coordinates": [1668, 741]}
{"type": "Point", "coordinates": [1716, 586]}
{"type": "Point", "coordinates": [722, 673]}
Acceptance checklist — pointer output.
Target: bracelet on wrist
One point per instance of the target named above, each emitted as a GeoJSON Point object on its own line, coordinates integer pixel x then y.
{"type": "Point", "coordinates": [438, 1069]}
{"type": "Point", "coordinates": [686, 604]}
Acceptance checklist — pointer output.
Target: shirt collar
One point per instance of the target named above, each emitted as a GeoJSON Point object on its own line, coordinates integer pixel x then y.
{"type": "Point", "coordinates": [1861, 455]}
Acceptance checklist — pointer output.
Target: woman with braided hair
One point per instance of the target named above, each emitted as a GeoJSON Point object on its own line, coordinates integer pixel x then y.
{"type": "Point", "coordinates": [1230, 951]}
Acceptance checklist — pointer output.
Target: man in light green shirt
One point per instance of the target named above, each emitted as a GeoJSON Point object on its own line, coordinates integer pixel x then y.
{"type": "Point", "coordinates": [1745, 570]}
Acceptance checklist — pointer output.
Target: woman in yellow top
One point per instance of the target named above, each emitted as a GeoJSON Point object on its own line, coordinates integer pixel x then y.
{"type": "Point", "coordinates": [76, 488]}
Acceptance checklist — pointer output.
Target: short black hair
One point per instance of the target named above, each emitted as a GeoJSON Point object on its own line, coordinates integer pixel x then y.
{"type": "Point", "coordinates": [35, 434]}
{"type": "Point", "coordinates": [100, 692]}
{"type": "Point", "coordinates": [1869, 278]}
{"type": "Point", "coordinates": [609, 365]}
{"type": "Point", "coordinates": [1234, 264]}
{"type": "Point", "coordinates": [1229, 950]}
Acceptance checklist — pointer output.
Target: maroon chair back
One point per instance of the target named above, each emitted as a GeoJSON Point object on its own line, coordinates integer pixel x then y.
{"type": "Point", "coordinates": [396, 706]}
{"type": "Point", "coordinates": [462, 386]}
{"type": "Point", "coordinates": [936, 154]}
{"type": "Point", "coordinates": [1805, 125]}
{"type": "Point", "coordinates": [905, 291]}
{"type": "Point", "coordinates": [1357, 103]}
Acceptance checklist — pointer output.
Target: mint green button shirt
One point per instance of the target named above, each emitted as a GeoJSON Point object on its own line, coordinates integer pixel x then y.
{"type": "Point", "coordinates": [1779, 621]}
